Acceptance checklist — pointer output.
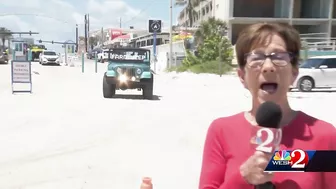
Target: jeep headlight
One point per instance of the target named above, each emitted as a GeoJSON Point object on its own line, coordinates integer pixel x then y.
{"type": "Point", "coordinates": [122, 78]}
{"type": "Point", "coordinates": [138, 71]}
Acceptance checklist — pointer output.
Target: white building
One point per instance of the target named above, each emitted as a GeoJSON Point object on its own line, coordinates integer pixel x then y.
{"type": "Point", "coordinates": [307, 16]}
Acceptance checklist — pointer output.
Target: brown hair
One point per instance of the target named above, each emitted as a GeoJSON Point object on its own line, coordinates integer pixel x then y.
{"type": "Point", "coordinates": [256, 35]}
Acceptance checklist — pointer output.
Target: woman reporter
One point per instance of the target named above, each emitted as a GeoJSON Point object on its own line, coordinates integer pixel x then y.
{"type": "Point", "coordinates": [267, 55]}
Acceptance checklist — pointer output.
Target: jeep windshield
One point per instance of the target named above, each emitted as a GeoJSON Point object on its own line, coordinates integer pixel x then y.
{"type": "Point", "coordinates": [41, 46]}
{"type": "Point", "coordinates": [129, 55]}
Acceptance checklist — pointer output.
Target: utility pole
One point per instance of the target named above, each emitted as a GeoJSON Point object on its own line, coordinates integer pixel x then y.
{"type": "Point", "coordinates": [120, 22]}
{"type": "Point", "coordinates": [214, 8]}
{"type": "Point", "coordinates": [201, 16]}
{"type": "Point", "coordinates": [102, 35]}
{"type": "Point", "coordinates": [77, 38]}
{"type": "Point", "coordinates": [170, 33]}
{"type": "Point", "coordinates": [85, 32]}
{"type": "Point", "coordinates": [88, 23]}
{"type": "Point", "coordinates": [88, 32]}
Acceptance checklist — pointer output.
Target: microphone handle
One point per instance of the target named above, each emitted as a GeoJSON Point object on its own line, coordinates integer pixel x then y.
{"type": "Point", "coordinates": [267, 185]}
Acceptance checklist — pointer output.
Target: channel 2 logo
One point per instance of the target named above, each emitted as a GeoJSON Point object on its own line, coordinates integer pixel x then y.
{"type": "Point", "coordinates": [289, 161]}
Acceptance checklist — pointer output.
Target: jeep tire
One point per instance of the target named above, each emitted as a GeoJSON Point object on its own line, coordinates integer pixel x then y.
{"type": "Point", "coordinates": [147, 90]}
{"type": "Point", "coordinates": [108, 89]}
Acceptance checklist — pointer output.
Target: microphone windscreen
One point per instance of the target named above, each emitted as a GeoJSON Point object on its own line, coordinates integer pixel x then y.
{"type": "Point", "coordinates": [269, 115]}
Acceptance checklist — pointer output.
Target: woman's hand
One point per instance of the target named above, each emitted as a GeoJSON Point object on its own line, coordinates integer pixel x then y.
{"type": "Point", "coordinates": [253, 169]}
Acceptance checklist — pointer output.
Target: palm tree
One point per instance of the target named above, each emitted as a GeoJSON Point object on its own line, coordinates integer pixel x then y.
{"type": "Point", "coordinates": [210, 27]}
{"type": "Point", "coordinates": [191, 13]}
{"type": "Point", "coordinates": [93, 41]}
{"type": "Point", "coordinates": [210, 39]}
{"type": "Point", "coordinates": [5, 34]}
{"type": "Point", "coordinates": [190, 9]}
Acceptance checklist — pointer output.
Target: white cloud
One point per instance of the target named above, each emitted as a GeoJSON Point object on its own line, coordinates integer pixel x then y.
{"type": "Point", "coordinates": [15, 23]}
{"type": "Point", "coordinates": [108, 7]}
{"type": "Point", "coordinates": [109, 12]}
{"type": "Point", "coordinates": [63, 4]}
{"type": "Point", "coordinates": [22, 3]}
{"type": "Point", "coordinates": [53, 19]}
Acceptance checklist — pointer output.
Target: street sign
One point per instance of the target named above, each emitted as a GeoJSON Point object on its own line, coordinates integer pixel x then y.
{"type": "Point", "coordinates": [21, 74]}
{"type": "Point", "coordinates": [22, 58]}
{"type": "Point", "coordinates": [155, 26]}
{"type": "Point", "coordinates": [181, 2]}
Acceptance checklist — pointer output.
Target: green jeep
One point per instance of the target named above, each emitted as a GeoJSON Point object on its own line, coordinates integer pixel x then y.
{"type": "Point", "coordinates": [128, 68]}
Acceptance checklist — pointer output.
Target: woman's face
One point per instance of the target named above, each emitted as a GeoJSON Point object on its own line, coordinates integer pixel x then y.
{"type": "Point", "coordinates": [268, 77]}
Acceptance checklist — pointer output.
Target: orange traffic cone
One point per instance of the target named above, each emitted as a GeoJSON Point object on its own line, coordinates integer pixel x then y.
{"type": "Point", "coordinates": [146, 183]}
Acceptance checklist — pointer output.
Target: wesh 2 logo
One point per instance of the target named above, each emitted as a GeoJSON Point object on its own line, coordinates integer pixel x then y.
{"type": "Point", "coordinates": [289, 161]}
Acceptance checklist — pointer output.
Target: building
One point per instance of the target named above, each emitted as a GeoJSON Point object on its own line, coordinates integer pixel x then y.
{"type": "Point", "coordinates": [204, 11]}
{"type": "Point", "coordinates": [148, 39]}
{"type": "Point", "coordinates": [134, 37]}
{"type": "Point", "coordinates": [106, 33]}
{"type": "Point", "coordinates": [316, 19]}
{"type": "Point", "coordinates": [109, 36]}
{"type": "Point", "coordinates": [122, 40]}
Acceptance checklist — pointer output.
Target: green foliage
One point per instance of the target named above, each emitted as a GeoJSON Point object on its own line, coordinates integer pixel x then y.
{"type": "Point", "coordinates": [178, 69]}
{"type": "Point", "coordinates": [212, 49]}
{"type": "Point", "coordinates": [209, 28]}
{"type": "Point", "coordinates": [226, 51]}
{"type": "Point", "coordinates": [214, 67]}
{"type": "Point", "coordinates": [190, 59]}
{"type": "Point", "coordinates": [93, 40]}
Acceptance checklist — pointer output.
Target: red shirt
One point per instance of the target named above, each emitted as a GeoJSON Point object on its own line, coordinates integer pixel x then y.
{"type": "Point", "coordinates": [227, 146]}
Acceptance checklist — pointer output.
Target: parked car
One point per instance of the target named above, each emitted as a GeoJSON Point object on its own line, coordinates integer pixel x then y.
{"type": "Point", "coordinates": [91, 54]}
{"type": "Point", "coordinates": [316, 72]}
{"type": "Point", "coordinates": [49, 57]}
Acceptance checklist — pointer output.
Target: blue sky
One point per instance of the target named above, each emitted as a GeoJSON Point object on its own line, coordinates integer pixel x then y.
{"type": "Point", "coordinates": [59, 17]}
